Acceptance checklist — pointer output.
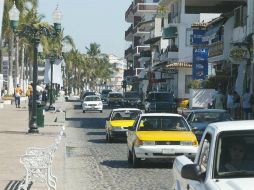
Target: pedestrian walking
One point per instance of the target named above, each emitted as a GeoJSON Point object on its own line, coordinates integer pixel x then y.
{"type": "Point", "coordinates": [219, 100]}
{"type": "Point", "coordinates": [230, 103]}
{"type": "Point", "coordinates": [236, 106]}
{"type": "Point", "coordinates": [17, 94]}
{"type": "Point", "coordinates": [247, 101]}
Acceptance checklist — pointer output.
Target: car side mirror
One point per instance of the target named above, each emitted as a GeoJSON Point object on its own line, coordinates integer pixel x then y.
{"type": "Point", "coordinates": [131, 129]}
{"type": "Point", "coordinates": [191, 171]}
{"type": "Point", "coordinates": [194, 129]}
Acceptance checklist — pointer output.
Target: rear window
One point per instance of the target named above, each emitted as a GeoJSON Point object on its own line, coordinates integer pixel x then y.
{"type": "Point", "coordinates": [161, 97]}
{"type": "Point", "coordinates": [115, 95]}
{"type": "Point", "coordinates": [131, 95]}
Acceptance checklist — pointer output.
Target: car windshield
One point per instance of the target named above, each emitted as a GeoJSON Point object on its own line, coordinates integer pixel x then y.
{"type": "Point", "coordinates": [94, 98]}
{"type": "Point", "coordinates": [162, 123]}
{"type": "Point", "coordinates": [125, 115]}
{"type": "Point", "coordinates": [210, 117]}
{"type": "Point", "coordinates": [115, 95]}
{"type": "Point", "coordinates": [131, 95]}
{"type": "Point", "coordinates": [161, 97]}
{"type": "Point", "coordinates": [235, 155]}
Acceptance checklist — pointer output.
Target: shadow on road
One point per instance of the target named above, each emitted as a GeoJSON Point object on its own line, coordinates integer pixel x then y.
{"type": "Point", "coordinates": [77, 107]}
{"type": "Point", "coordinates": [144, 164]}
{"type": "Point", "coordinates": [89, 123]}
{"type": "Point", "coordinates": [96, 133]}
{"type": "Point", "coordinates": [98, 141]}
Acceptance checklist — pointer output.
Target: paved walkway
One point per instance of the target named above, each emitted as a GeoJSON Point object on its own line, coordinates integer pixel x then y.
{"type": "Point", "coordinates": [14, 140]}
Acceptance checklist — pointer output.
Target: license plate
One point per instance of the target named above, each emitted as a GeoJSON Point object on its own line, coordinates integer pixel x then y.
{"type": "Point", "coordinates": [168, 151]}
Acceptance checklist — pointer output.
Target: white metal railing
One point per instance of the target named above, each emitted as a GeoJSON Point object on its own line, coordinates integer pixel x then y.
{"type": "Point", "coordinates": [38, 164]}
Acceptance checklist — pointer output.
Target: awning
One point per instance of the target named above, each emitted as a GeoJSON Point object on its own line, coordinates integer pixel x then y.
{"type": "Point", "coordinates": [211, 33]}
{"type": "Point", "coordinates": [169, 32]}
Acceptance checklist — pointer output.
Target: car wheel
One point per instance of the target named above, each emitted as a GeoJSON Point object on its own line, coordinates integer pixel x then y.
{"type": "Point", "coordinates": [84, 111]}
{"type": "Point", "coordinates": [135, 160]}
{"type": "Point", "coordinates": [129, 155]}
{"type": "Point", "coordinates": [101, 111]}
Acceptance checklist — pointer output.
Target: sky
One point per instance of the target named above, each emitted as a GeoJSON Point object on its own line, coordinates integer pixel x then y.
{"type": "Point", "coordinates": [89, 21]}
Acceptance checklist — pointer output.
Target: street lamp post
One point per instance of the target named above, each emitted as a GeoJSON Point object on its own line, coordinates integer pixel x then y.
{"type": "Point", "coordinates": [14, 18]}
{"type": "Point", "coordinates": [33, 32]}
{"type": "Point", "coordinates": [57, 18]}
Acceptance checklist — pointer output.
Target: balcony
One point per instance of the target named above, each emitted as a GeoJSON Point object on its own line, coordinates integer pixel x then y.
{"type": "Point", "coordinates": [143, 8]}
{"type": "Point", "coordinates": [171, 52]}
{"type": "Point", "coordinates": [145, 56]}
{"type": "Point", "coordinates": [139, 49]}
{"type": "Point", "coordinates": [129, 33]}
{"type": "Point", "coordinates": [129, 73]}
{"type": "Point", "coordinates": [128, 52]}
{"type": "Point", "coordinates": [129, 14]}
{"type": "Point", "coordinates": [138, 31]}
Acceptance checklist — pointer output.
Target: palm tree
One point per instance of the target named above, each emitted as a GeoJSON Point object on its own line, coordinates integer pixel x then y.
{"type": "Point", "coordinates": [7, 34]}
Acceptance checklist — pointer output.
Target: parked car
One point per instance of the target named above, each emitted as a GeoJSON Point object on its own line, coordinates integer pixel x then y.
{"type": "Point", "coordinates": [160, 135]}
{"type": "Point", "coordinates": [200, 118]}
{"type": "Point", "coordinates": [225, 159]}
{"type": "Point", "coordinates": [92, 103]}
{"type": "Point", "coordinates": [160, 102]}
{"type": "Point", "coordinates": [115, 99]}
{"type": "Point", "coordinates": [104, 95]}
{"type": "Point", "coordinates": [132, 99]}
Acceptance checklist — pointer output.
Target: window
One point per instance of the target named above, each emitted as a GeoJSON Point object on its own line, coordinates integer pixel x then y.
{"type": "Point", "coordinates": [187, 79]}
{"type": "Point", "coordinates": [238, 13]}
{"type": "Point", "coordinates": [204, 155]}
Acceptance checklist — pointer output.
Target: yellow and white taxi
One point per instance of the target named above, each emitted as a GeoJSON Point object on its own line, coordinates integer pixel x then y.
{"type": "Point", "coordinates": [119, 121]}
{"type": "Point", "coordinates": [160, 135]}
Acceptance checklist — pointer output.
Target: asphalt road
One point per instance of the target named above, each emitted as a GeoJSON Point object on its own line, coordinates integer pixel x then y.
{"type": "Point", "coordinates": [92, 163]}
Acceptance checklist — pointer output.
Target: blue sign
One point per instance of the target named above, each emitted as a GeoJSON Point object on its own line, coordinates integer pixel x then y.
{"type": "Point", "coordinates": [197, 37]}
{"type": "Point", "coordinates": [200, 63]}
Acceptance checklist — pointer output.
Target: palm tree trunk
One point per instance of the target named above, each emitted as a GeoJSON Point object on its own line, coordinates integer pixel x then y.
{"type": "Point", "coordinates": [22, 73]}
{"type": "Point", "coordinates": [17, 61]}
{"type": "Point", "coordinates": [10, 77]}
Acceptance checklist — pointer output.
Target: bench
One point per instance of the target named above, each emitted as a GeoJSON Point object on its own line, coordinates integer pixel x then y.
{"type": "Point", "coordinates": [38, 164]}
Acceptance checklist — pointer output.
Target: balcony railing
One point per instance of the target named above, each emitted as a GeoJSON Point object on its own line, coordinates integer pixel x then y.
{"type": "Point", "coordinates": [129, 33]}
{"type": "Point", "coordinates": [129, 12]}
{"type": "Point", "coordinates": [128, 51]}
{"type": "Point", "coordinates": [141, 8]}
{"type": "Point", "coordinates": [216, 49]}
{"type": "Point", "coordinates": [139, 49]}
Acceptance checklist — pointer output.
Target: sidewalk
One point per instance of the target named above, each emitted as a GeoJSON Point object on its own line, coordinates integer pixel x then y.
{"type": "Point", "coordinates": [14, 141]}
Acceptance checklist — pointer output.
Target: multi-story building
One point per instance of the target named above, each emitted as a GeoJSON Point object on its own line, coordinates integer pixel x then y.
{"type": "Point", "coordinates": [140, 14]}
{"type": "Point", "coordinates": [118, 67]}
{"type": "Point", "coordinates": [171, 63]}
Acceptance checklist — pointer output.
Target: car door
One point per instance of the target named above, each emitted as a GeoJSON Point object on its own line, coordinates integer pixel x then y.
{"type": "Point", "coordinates": [204, 162]}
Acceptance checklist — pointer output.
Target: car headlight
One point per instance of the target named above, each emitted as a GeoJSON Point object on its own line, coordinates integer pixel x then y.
{"type": "Point", "coordinates": [148, 142]}
{"type": "Point", "coordinates": [189, 143]}
{"type": "Point", "coordinates": [186, 143]}
{"type": "Point", "coordinates": [138, 142]}
{"type": "Point", "coordinates": [84, 104]}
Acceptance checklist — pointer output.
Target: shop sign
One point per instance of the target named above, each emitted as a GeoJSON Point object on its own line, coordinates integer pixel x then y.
{"type": "Point", "coordinates": [238, 54]}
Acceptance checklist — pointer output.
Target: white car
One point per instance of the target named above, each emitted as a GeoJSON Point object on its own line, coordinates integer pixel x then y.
{"type": "Point", "coordinates": [92, 103]}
